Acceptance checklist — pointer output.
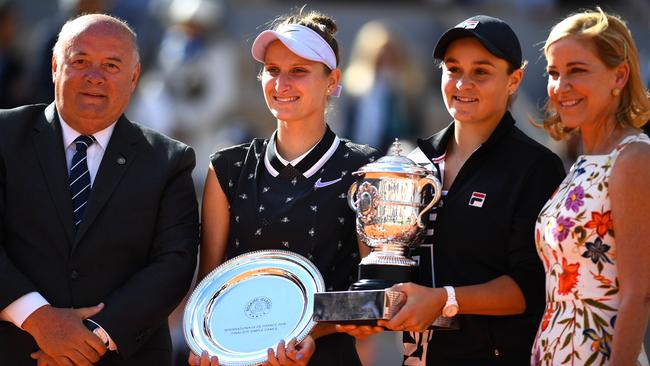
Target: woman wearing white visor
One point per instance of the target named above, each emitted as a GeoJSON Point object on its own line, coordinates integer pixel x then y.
{"type": "Point", "coordinates": [289, 191]}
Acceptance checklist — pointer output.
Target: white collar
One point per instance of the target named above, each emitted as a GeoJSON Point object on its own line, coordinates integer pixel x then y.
{"type": "Point", "coordinates": [314, 168]}
{"type": "Point", "coordinates": [295, 161]}
{"type": "Point", "coordinates": [70, 134]}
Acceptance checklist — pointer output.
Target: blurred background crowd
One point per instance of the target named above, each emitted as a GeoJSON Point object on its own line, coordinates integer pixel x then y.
{"type": "Point", "coordinates": [199, 82]}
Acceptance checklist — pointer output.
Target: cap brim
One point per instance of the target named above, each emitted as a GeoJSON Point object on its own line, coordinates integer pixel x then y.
{"type": "Point", "coordinates": [456, 33]}
{"type": "Point", "coordinates": [269, 36]}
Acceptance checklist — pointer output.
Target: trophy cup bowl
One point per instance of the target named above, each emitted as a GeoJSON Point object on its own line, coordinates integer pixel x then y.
{"type": "Point", "coordinates": [388, 198]}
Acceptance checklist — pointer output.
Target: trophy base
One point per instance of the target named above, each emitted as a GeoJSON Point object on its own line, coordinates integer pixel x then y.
{"type": "Point", "coordinates": [380, 276]}
{"type": "Point", "coordinates": [366, 307]}
{"type": "Point", "coordinates": [356, 307]}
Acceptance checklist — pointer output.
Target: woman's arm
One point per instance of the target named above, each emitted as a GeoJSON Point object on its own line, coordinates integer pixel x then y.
{"type": "Point", "coordinates": [500, 296]}
{"type": "Point", "coordinates": [215, 223]}
{"type": "Point", "coordinates": [520, 288]}
{"type": "Point", "coordinates": [629, 191]}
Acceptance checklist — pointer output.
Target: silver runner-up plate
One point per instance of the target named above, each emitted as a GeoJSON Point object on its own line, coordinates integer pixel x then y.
{"type": "Point", "coordinates": [249, 304]}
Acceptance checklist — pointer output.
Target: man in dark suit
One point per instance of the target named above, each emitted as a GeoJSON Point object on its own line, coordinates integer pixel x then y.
{"type": "Point", "coordinates": [98, 215]}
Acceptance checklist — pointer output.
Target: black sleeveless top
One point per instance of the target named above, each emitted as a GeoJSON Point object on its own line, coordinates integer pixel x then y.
{"type": "Point", "coordinates": [302, 209]}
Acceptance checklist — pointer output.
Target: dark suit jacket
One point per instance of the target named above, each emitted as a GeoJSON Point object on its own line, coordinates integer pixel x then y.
{"type": "Point", "coordinates": [135, 249]}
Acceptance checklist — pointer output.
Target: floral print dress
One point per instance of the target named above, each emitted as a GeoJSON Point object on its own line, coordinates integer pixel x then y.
{"type": "Point", "coordinates": [575, 239]}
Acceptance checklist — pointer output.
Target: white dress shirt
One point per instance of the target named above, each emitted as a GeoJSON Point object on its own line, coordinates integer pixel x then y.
{"type": "Point", "coordinates": [94, 153]}
{"type": "Point", "coordinates": [24, 306]}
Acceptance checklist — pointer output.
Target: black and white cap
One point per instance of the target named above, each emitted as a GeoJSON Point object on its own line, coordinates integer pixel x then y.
{"type": "Point", "coordinates": [493, 33]}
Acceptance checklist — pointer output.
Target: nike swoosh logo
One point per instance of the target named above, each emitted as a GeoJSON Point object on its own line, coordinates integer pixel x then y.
{"type": "Point", "coordinates": [320, 184]}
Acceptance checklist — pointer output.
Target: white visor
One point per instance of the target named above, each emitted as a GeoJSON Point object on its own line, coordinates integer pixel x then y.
{"type": "Point", "coordinates": [302, 41]}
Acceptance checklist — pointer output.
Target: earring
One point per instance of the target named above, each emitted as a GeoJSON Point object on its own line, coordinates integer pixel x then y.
{"type": "Point", "coordinates": [616, 92]}
{"type": "Point", "coordinates": [329, 91]}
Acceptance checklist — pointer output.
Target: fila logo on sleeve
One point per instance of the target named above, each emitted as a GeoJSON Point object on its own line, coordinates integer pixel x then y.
{"type": "Point", "coordinates": [477, 199]}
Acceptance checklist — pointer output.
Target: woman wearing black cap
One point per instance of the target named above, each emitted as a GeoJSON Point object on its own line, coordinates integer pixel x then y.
{"type": "Point", "coordinates": [485, 271]}
{"type": "Point", "coordinates": [288, 192]}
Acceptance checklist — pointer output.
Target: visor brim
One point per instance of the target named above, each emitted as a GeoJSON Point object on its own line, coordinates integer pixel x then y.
{"type": "Point", "coordinates": [267, 37]}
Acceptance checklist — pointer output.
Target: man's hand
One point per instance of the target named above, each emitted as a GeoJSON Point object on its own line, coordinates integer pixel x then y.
{"type": "Point", "coordinates": [61, 335]}
{"type": "Point", "coordinates": [42, 359]}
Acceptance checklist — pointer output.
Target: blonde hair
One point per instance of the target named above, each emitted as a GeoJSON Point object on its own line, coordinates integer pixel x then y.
{"type": "Point", "coordinates": [614, 45]}
{"type": "Point", "coordinates": [373, 40]}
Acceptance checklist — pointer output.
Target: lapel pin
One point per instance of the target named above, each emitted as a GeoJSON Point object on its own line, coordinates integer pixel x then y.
{"type": "Point", "coordinates": [121, 160]}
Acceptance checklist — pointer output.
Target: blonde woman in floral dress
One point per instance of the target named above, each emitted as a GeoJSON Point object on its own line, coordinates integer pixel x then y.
{"type": "Point", "coordinates": [593, 234]}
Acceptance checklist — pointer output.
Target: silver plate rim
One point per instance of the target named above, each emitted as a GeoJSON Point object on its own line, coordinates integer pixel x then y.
{"type": "Point", "coordinates": [274, 254]}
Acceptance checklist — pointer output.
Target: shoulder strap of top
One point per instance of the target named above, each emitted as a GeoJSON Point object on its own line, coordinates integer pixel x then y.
{"type": "Point", "coordinates": [642, 137]}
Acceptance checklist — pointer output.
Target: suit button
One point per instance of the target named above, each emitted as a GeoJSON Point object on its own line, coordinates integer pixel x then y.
{"type": "Point", "coordinates": [74, 274]}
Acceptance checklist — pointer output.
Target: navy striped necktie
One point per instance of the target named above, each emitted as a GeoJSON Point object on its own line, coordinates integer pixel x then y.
{"type": "Point", "coordinates": [80, 178]}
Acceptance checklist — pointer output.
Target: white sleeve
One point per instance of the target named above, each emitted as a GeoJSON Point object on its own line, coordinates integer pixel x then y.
{"type": "Point", "coordinates": [22, 308]}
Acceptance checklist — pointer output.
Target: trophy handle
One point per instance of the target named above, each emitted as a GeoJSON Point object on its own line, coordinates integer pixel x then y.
{"type": "Point", "coordinates": [351, 194]}
{"type": "Point", "coordinates": [437, 193]}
